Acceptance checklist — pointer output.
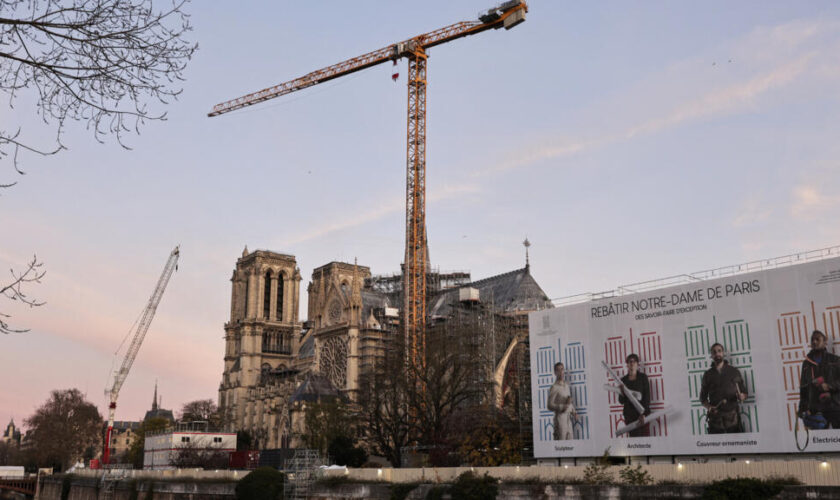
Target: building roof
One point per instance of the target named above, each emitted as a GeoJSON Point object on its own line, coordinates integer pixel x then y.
{"type": "Point", "coordinates": [373, 300]}
{"type": "Point", "coordinates": [314, 388]}
{"type": "Point", "coordinates": [122, 425]}
{"type": "Point", "coordinates": [511, 292]}
{"type": "Point", "coordinates": [307, 349]}
{"type": "Point", "coordinates": [159, 413]}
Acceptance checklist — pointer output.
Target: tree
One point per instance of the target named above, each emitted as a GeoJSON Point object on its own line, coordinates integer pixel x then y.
{"type": "Point", "coordinates": [243, 440]}
{"type": "Point", "coordinates": [134, 455]}
{"type": "Point", "coordinates": [402, 405]}
{"type": "Point", "coordinates": [491, 440]}
{"type": "Point", "coordinates": [10, 453]}
{"type": "Point", "coordinates": [343, 451]}
{"type": "Point", "coordinates": [203, 410]}
{"type": "Point", "coordinates": [97, 61]}
{"type": "Point", "coordinates": [444, 385]}
{"type": "Point", "coordinates": [14, 291]}
{"type": "Point", "coordinates": [326, 420]}
{"type": "Point", "coordinates": [191, 455]}
{"type": "Point", "coordinates": [63, 429]}
{"type": "Point", "coordinates": [384, 413]}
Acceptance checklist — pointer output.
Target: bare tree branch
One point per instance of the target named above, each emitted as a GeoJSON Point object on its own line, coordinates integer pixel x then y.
{"type": "Point", "coordinates": [103, 62]}
{"type": "Point", "coordinates": [15, 291]}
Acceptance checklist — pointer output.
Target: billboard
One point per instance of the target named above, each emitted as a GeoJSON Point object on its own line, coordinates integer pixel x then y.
{"type": "Point", "coordinates": [722, 367]}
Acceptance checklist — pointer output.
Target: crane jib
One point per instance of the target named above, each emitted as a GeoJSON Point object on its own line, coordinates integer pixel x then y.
{"type": "Point", "coordinates": [507, 15]}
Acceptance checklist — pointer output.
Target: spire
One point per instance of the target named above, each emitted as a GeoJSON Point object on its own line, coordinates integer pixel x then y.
{"type": "Point", "coordinates": [356, 284]}
{"type": "Point", "coordinates": [356, 294]}
{"type": "Point", "coordinates": [245, 252]}
{"type": "Point", "coordinates": [527, 244]}
{"type": "Point", "coordinates": [155, 399]}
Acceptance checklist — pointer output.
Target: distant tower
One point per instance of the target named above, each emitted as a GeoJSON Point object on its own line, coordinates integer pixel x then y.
{"type": "Point", "coordinates": [155, 398]}
{"type": "Point", "coordinates": [527, 245]}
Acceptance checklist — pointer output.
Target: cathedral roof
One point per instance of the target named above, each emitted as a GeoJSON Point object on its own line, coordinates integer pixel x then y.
{"type": "Point", "coordinates": [160, 413]}
{"type": "Point", "coordinates": [511, 292]}
{"type": "Point", "coordinates": [307, 349]}
{"type": "Point", "coordinates": [314, 388]}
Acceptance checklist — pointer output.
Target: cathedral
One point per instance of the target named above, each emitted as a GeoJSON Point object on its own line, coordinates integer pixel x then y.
{"type": "Point", "coordinates": [275, 363]}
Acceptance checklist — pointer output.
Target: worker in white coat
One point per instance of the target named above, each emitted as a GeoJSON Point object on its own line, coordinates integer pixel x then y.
{"type": "Point", "coordinates": [560, 402]}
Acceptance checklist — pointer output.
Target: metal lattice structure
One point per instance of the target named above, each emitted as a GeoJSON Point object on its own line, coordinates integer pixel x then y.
{"type": "Point", "coordinates": [507, 15]}
{"type": "Point", "coordinates": [301, 471]}
{"type": "Point", "coordinates": [136, 341]}
{"type": "Point", "coordinates": [416, 247]}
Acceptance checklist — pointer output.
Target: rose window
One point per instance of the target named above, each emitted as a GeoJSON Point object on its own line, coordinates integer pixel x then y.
{"type": "Point", "coordinates": [334, 361]}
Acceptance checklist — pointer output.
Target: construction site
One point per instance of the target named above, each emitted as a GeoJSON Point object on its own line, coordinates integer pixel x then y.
{"type": "Point", "coordinates": [412, 378]}
{"type": "Point", "coordinates": [355, 317]}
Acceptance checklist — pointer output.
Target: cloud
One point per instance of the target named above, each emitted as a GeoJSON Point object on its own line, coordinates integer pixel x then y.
{"type": "Point", "coordinates": [808, 202]}
{"type": "Point", "coordinates": [769, 59]}
{"type": "Point", "coordinates": [728, 100]}
{"type": "Point", "coordinates": [751, 212]}
{"type": "Point", "coordinates": [379, 212]}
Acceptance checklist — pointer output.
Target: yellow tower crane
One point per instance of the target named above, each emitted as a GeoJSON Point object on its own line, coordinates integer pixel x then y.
{"type": "Point", "coordinates": [507, 15]}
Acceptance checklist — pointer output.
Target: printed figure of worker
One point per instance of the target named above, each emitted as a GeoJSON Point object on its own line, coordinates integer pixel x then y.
{"type": "Point", "coordinates": [721, 393]}
{"type": "Point", "coordinates": [560, 402]}
{"type": "Point", "coordinates": [819, 387]}
{"type": "Point", "coordinates": [635, 381]}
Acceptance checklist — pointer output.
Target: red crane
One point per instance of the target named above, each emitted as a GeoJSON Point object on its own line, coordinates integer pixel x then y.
{"type": "Point", "coordinates": [507, 15]}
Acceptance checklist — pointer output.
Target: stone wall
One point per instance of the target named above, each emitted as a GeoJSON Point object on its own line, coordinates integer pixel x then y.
{"type": "Point", "coordinates": [373, 491]}
{"type": "Point", "coordinates": [811, 472]}
{"type": "Point", "coordinates": [90, 488]}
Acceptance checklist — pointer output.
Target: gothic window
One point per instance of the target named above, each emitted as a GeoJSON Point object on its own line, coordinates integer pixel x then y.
{"type": "Point", "coordinates": [267, 294]}
{"type": "Point", "coordinates": [334, 361]}
{"type": "Point", "coordinates": [279, 309]}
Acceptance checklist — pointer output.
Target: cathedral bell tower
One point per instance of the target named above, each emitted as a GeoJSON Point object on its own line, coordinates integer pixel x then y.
{"type": "Point", "coordinates": [263, 334]}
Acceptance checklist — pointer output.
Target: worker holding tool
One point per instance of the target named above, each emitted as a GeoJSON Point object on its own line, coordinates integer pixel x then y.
{"type": "Point", "coordinates": [721, 392]}
{"type": "Point", "coordinates": [636, 381]}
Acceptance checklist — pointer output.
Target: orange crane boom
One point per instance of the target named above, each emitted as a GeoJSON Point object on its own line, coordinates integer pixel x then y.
{"type": "Point", "coordinates": [506, 15]}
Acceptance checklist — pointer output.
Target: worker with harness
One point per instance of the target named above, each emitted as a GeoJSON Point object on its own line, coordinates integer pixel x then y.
{"type": "Point", "coordinates": [819, 386]}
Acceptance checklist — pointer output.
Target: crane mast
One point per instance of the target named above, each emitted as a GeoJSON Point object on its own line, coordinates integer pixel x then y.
{"type": "Point", "coordinates": [416, 264]}
{"type": "Point", "coordinates": [136, 341]}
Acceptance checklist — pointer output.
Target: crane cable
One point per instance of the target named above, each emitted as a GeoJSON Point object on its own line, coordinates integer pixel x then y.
{"type": "Point", "coordinates": [117, 352]}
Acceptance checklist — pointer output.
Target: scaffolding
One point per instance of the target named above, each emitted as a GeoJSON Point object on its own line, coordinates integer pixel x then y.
{"type": "Point", "coordinates": [436, 281]}
{"type": "Point", "coordinates": [301, 471]}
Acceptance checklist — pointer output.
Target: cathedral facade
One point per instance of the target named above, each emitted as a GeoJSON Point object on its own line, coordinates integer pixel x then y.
{"type": "Point", "coordinates": [275, 364]}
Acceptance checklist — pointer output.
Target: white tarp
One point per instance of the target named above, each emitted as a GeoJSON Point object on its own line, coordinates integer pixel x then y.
{"type": "Point", "coordinates": [764, 320]}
